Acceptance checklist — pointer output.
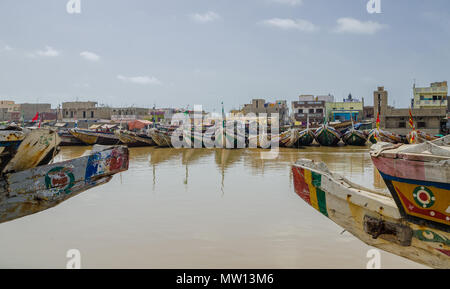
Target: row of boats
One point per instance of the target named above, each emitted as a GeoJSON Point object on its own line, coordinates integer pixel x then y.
{"type": "Point", "coordinates": [210, 136]}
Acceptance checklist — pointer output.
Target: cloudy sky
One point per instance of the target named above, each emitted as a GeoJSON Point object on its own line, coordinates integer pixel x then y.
{"type": "Point", "coordinates": [186, 52]}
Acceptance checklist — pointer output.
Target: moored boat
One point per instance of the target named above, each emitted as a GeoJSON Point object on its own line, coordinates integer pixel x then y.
{"type": "Point", "coordinates": [327, 135]}
{"type": "Point", "coordinates": [385, 136]}
{"type": "Point", "coordinates": [68, 139]}
{"type": "Point", "coordinates": [289, 138]}
{"type": "Point", "coordinates": [38, 188]}
{"type": "Point", "coordinates": [354, 137]}
{"type": "Point", "coordinates": [369, 215]}
{"type": "Point", "coordinates": [91, 137]}
{"type": "Point", "coordinates": [133, 139]}
{"type": "Point", "coordinates": [305, 138]}
{"type": "Point", "coordinates": [418, 177]}
{"type": "Point", "coordinates": [418, 136]}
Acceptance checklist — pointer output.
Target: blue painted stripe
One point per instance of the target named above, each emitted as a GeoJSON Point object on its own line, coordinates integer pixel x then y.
{"type": "Point", "coordinates": [445, 186]}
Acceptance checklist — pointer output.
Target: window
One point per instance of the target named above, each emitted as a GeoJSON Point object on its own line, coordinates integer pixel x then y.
{"type": "Point", "coordinates": [84, 114]}
{"type": "Point", "coordinates": [311, 110]}
{"type": "Point", "coordinates": [422, 97]}
{"type": "Point", "coordinates": [71, 114]}
{"type": "Point", "coordinates": [319, 110]}
{"type": "Point", "coordinates": [402, 124]}
{"type": "Point", "coordinates": [92, 114]}
{"type": "Point", "coordinates": [67, 113]}
{"type": "Point", "coordinates": [421, 124]}
{"type": "Point", "coordinates": [300, 111]}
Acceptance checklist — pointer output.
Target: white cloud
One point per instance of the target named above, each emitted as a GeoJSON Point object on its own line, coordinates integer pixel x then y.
{"type": "Point", "coordinates": [289, 2]}
{"type": "Point", "coordinates": [206, 17]}
{"type": "Point", "coordinates": [7, 48]}
{"type": "Point", "coordinates": [355, 26]}
{"type": "Point", "coordinates": [90, 56]}
{"type": "Point", "coordinates": [139, 79]}
{"type": "Point", "coordinates": [286, 24]}
{"type": "Point", "coordinates": [48, 52]}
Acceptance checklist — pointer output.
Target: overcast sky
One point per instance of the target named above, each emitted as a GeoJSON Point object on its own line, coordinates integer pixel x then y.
{"type": "Point", "coordinates": [186, 52]}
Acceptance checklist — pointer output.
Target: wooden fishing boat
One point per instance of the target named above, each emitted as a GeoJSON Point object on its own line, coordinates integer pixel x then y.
{"type": "Point", "coordinates": [91, 137]}
{"type": "Point", "coordinates": [68, 139]}
{"type": "Point", "coordinates": [420, 137]}
{"type": "Point", "coordinates": [327, 135]}
{"type": "Point", "coordinates": [385, 136]}
{"type": "Point", "coordinates": [38, 188]}
{"type": "Point", "coordinates": [354, 137]}
{"type": "Point", "coordinates": [305, 138]}
{"type": "Point", "coordinates": [133, 139]}
{"type": "Point", "coordinates": [369, 215]}
{"type": "Point", "coordinates": [289, 138]}
{"type": "Point", "coordinates": [418, 177]}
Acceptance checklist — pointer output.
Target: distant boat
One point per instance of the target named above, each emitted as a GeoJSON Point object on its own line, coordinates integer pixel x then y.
{"type": "Point", "coordinates": [133, 139]}
{"type": "Point", "coordinates": [327, 135]}
{"type": "Point", "coordinates": [289, 138]}
{"type": "Point", "coordinates": [385, 136]}
{"type": "Point", "coordinates": [68, 139]}
{"type": "Point", "coordinates": [420, 137]}
{"type": "Point", "coordinates": [91, 137]}
{"type": "Point", "coordinates": [354, 137]}
{"type": "Point", "coordinates": [305, 137]}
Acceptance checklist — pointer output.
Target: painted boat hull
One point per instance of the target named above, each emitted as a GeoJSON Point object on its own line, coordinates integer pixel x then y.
{"type": "Point", "coordinates": [419, 184]}
{"type": "Point", "coordinates": [354, 138]}
{"type": "Point", "coordinates": [93, 137]}
{"type": "Point", "coordinates": [67, 139]}
{"type": "Point", "coordinates": [132, 139]}
{"type": "Point", "coordinates": [370, 216]}
{"type": "Point", "coordinates": [289, 138]}
{"type": "Point", "coordinates": [40, 188]}
{"type": "Point", "coordinates": [327, 136]}
{"type": "Point", "coordinates": [306, 138]}
{"type": "Point", "coordinates": [385, 136]}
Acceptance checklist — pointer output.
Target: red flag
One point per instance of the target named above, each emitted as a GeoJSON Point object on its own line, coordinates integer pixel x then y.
{"type": "Point", "coordinates": [378, 120]}
{"type": "Point", "coordinates": [35, 118]}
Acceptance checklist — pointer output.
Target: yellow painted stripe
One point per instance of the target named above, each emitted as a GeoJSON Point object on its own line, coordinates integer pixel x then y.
{"type": "Point", "coordinates": [312, 190]}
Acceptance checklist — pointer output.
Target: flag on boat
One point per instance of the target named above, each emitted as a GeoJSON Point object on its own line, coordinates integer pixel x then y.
{"type": "Point", "coordinates": [375, 135]}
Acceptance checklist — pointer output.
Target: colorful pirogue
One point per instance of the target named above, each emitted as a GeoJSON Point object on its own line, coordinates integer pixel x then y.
{"type": "Point", "coordinates": [413, 221]}
{"type": "Point", "coordinates": [30, 184]}
{"type": "Point", "coordinates": [305, 138]}
{"type": "Point", "coordinates": [418, 136]}
{"type": "Point", "coordinates": [327, 135]}
{"type": "Point", "coordinates": [354, 137]}
{"type": "Point", "coordinates": [91, 137]}
{"type": "Point", "coordinates": [134, 139]}
{"type": "Point", "coordinates": [385, 136]}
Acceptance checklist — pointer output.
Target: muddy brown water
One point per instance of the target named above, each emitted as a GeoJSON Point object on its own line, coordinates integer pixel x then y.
{"type": "Point", "coordinates": [197, 208]}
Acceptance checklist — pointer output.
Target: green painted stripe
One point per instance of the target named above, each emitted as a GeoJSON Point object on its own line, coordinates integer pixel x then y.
{"type": "Point", "coordinates": [316, 179]}
{"type": "Point", "coordinates": [322, 201]}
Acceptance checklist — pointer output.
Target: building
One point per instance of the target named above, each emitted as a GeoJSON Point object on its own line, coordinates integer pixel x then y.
{"type": "Point", "coordinates": [129, 113]}
{"type": "Point", "coordinates": [308, 110]}
{"type": "Point", "coordinates": [81, 110]}
{"type": "Point", "coordinates": [368, 113]}
{"type": "Point", "coordinates": [434, 96]}
{"type": "Point", "coordinates": [29, 110]}
{"type": "Point", "coordinates": [346, 110]}
{"type": "Point", "coordinates": [431, 120]}
{"type": "Point", "coordinates": [9, 111]}
{"type": "Point", "coordinates": [259, 106]}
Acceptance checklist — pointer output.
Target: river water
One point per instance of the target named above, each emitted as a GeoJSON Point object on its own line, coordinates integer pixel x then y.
{"type": "Point", "coordinates": [197, 208]}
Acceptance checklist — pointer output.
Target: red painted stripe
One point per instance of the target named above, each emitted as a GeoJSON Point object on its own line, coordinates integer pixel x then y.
{"type": "Point", "coordinates": [446, 252]}
{"type": "Point", "coordinates": [300, 185]}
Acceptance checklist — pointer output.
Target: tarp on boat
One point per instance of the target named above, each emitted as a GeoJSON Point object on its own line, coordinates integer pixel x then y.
{"type": "Point", "coordinates": [95, 126]}
{"type": "Point", "coordinates": [60, 124]}
{"type": "Point", "coordinates": [138, 124]}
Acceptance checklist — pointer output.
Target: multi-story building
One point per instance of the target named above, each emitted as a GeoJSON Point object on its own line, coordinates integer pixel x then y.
{"type": "Point", "coordinates": [129, 113]}
{"type": "Point", "coordinates": [346, 110]}
{"type": "Point", "coordinates": [432, 120]}
{"type": "Point", "coordinates": [83, 110]}
{"type": "Point", "coordinates": [259, 106]}
{"type": "Point", "coordinates": [434, 96]}
{"type": "Point", "coordinates": [308, 110]}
